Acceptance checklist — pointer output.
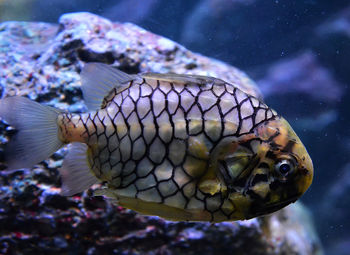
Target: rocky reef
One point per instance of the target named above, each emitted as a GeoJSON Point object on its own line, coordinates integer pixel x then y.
{"type": "Point", "coordinates": [43, 61]}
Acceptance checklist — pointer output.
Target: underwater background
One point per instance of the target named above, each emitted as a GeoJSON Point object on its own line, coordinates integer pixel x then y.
{"type": "Point", "coordinates": [297, 52]}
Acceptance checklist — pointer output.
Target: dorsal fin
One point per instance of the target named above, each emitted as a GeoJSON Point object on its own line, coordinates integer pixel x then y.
{"type": "Point", "coordinates": [98, 80]}
{"type": "Point", "coordinates": [182, 78]}
{"type": "Point", "coordinates": [245, 84]}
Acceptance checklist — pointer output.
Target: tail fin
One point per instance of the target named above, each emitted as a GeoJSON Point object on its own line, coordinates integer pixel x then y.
{"type": "Point", "coordinates": [37, 131]}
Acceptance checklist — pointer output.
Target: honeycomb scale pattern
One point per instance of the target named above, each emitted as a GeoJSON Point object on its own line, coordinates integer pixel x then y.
{"type": "Point", "coordinates": [153, 140]}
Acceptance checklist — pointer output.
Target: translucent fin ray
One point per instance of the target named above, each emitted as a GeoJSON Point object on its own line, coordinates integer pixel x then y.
{"type": "Point", "coordinates": [182, 78]}
{"type": "Point", "coordinates": [75, 172]}
{"type": "Point", "coordinates": [37, 131]}
{"type": "Point", "coordinates": [98, 80]}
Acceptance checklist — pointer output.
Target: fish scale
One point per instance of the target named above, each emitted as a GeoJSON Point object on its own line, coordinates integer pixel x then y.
{"type": "Point", "coordinates": [158, 122]}
{"type": "Point", "coordinates": [183, 147]}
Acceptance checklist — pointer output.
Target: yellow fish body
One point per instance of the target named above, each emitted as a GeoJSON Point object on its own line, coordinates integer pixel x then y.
{"type": "Point", "coordinates": [182, 147]}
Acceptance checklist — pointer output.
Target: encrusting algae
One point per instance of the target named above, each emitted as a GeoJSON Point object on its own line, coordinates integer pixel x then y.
{"type": "Point", "coordinates": [183, 147]}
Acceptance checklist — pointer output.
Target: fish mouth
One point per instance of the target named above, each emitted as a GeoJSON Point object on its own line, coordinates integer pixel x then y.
{"type": "Point", "coordinates": [267, 209]}
{"type": "Point", "coordinates": [277, 206]}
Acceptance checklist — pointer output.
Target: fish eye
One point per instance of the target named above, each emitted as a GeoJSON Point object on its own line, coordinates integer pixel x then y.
{"type": "Point", "coordinates": [284, 167]}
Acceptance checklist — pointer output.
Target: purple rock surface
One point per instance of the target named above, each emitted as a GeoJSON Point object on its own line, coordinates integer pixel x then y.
{"type": "Point", "coordinates": [43, 61]}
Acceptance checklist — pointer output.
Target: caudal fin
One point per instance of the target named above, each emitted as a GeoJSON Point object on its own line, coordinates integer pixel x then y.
{"type": "Point", "coordinates": [37, 131]}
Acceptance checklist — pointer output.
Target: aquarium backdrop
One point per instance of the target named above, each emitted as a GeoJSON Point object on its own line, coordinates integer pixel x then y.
{"type": "Point", "coordinates": [298, 54]}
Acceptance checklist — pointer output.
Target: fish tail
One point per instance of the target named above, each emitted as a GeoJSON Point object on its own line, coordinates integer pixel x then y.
{"type": "Point", "coordinates": [37, 135]}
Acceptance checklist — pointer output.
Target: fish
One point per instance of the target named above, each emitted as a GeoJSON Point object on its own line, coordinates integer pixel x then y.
{"type": "Point", "coordinates": [182, 147]}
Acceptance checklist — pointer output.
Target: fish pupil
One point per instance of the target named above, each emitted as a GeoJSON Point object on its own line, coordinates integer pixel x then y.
{"type": "Point", "coordinates": [284, 168]}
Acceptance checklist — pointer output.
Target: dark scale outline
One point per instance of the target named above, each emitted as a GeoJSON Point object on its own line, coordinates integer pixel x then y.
{"type": "Point", "coordinates": [221, 116]}
{"type": "Point", "coordinates": [198, 105]}
{"type": "Point", "coordinates": [179, 107]}
{"type": "Point", "coordinates": [238, 130]}
{"type": "Point", "coordinates": [147, 151]}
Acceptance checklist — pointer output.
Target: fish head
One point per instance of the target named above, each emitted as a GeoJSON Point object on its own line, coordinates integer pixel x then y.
{"type": "Point", "coordinates": [267, 171]}
{"type": "Point", "coordinates": [287, 164]}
